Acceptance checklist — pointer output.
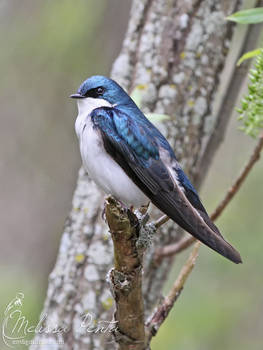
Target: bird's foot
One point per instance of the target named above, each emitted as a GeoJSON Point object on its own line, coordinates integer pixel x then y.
{"type": "Point", "coordinates": [143, 214]}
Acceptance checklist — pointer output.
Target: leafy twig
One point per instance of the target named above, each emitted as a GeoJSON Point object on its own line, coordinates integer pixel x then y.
{"type": "Point", "coordinates": [251, 110]}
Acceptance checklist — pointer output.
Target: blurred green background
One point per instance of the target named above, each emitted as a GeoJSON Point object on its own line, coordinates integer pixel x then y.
{"type": "Point", "coordinates": [47, 48]}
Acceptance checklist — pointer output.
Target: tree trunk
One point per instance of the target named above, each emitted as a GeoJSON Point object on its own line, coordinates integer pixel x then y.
{"type": "Point", "coordinates": [175, 51]}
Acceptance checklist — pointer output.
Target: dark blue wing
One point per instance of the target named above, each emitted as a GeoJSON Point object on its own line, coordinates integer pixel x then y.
{"type": "Point", "coordinates": [192, 196]}
{"type": "Point", "coordinates": [135, 147]}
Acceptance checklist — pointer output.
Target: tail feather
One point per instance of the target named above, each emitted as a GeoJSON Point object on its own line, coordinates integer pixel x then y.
{"type": "Point", "coordinates": [184, 214]}
{"type": "Point", "coordinates": [227, 247]}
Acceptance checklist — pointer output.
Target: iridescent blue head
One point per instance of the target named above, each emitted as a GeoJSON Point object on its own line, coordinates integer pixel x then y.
{"type": "Point", "coordinates": [101, 87]}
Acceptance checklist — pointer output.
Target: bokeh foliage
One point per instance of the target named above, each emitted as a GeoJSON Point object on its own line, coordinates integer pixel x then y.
{"type": "Point", "coordinates": [251, 111]}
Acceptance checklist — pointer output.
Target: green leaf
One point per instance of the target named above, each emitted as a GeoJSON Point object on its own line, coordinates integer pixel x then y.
{"type": "Point", "coordinates": [249, 16]}
{"type": "Point", "coordinates": [247, 55]}
{"type": "Point", "coordinates": [251, 109]}
{"type": "Point", "coordinates": [156, 118]}
{"type": "Point", "coordinates": [137, 94]}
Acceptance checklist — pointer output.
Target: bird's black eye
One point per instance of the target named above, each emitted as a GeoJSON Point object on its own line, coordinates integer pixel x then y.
{"type": "Point", "coordinates": [96, 92]}
{"type": "Point", "coordinates": [100, 90]}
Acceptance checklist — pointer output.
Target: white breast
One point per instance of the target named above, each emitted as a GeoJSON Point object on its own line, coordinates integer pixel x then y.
{"type": "Point", "coordinates": [103, 170]}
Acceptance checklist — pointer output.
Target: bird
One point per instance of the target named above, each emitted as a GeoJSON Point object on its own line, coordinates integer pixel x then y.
{"type": "Point", "coordinates": [129, 158]}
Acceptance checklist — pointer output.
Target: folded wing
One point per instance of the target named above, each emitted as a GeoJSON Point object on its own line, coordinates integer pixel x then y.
{"type": "Point", "coordinates": [132, 145]}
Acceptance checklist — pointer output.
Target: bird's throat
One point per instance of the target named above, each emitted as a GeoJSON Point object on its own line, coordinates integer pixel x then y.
{"type": "Point", "coordinates": [87, 105]}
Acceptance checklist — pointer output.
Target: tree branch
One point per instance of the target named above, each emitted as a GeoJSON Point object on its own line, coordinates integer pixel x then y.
{"type": "Point", "coordinates": [255, 156]}
{"type": "Point", "coordinates": [172, 249]}
{"type": "Point", "coordinates": [126, 277]}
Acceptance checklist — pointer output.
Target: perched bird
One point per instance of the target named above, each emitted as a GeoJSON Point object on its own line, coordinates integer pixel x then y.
{"type": "Point", "coordinates": [128, 157]}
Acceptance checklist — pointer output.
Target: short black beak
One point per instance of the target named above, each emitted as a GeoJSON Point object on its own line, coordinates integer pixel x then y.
{"type": "Point", "coordinates": [76, 96]}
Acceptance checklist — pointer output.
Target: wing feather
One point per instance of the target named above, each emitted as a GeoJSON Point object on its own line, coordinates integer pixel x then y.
{"type": "Point", "coordinates": [141, 161]}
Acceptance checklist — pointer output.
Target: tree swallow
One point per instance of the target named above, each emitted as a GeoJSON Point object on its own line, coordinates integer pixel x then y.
{"type": "Point", "coordinates": [128, 157]}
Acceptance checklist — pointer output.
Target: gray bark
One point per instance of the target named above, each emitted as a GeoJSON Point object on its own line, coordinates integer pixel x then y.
{"type": "Point", "coordinates": [176, 50]}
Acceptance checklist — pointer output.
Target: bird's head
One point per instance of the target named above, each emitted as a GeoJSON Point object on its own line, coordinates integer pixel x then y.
{"type": "Point", "coordinates": [102, 88]}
